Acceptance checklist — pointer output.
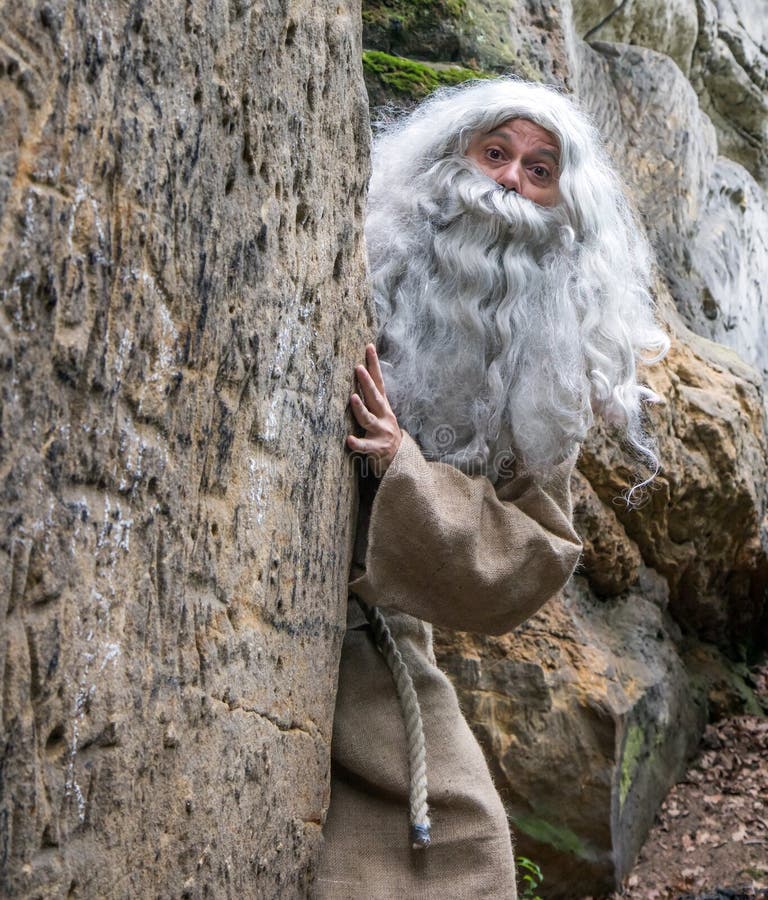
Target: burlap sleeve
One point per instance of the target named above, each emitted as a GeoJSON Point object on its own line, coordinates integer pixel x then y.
{"type": "Point", "coordinates": [453, 550]}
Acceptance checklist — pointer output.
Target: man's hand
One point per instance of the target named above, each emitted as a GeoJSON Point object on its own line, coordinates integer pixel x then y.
{"type": "Point", "coordinates": [374, 414]}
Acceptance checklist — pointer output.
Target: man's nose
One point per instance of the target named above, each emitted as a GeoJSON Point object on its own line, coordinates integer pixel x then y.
{"type": "Point", "coordinates": [510, 177]}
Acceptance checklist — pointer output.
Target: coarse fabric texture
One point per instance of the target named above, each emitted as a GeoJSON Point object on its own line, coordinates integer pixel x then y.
{"type": "Point", "coordinates": [447, 548]}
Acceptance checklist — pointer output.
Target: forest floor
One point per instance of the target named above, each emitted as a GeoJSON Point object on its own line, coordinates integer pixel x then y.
{"type": "Point", "coordinates": [710, 838]}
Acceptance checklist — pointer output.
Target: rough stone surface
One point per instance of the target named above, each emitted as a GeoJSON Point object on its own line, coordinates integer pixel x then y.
{"type": "Point", "coordinates": [524, 36]}
{"type": "Point", "coordinates": [730, 74]}
{"type": "Point", "coordinates": [647, 112]}
{"type": "Point", "coordinates": [711, 439]}
{"type": "Point", "coordinates": [610, 559]}
{"type": "Point", "coordinates": [669, 27]}
{"type": "Point", "coordinates": [705, 214]}
{"type": "Point", "coordinates": [181, 192]}
{"type": "Point", "coordinates": [593, 698]}
{"type": "Point", "coordinates": [729, 262]}
{"type": "Point", "coordinates": [588, 711]}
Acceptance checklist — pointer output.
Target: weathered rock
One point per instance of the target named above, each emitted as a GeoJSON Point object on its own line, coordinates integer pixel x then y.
{"type": "Point", "coordinates": [706, 216]}
{"type": "Point", "coordinates": [585, 714]}
{"type": "Point", "coordinates": [730, 75]}
{"type": "Point", "coordinates": [524, 37]}
{"type": "Point", "coordinates": [182, 296]}
{"type": "Point", "coordinates": [670, 28]}
{"type": "Point", "coordinates": [720, 45]}
{"type": "Point", "coordinates": [610, 559]}
{"type": "Point", "coordinates": [711, 441]}
{"type": "Point", "coordinates": [428, 29]}
{"type": "Point", "coordinates": [648, 112]}
{"type": "Point", "coordinates": [729, 261]}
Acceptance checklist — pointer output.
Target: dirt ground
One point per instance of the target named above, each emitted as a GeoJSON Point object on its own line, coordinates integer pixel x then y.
{"type": "Point", "coordinates": [710, 839]}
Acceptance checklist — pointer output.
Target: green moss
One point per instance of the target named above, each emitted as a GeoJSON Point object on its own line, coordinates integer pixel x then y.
{"type": "Point", "coordinates": [524, 68]}
{"type": "Point", "coordinates": [630, 760]}
{"type": "Point", "coordinates": [413, 79]}
{"type": "Point", "coordinates": [557, 836]}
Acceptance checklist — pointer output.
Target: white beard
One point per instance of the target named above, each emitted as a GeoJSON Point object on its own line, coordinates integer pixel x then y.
{"type": "Point", "coordinates": [480, 323]}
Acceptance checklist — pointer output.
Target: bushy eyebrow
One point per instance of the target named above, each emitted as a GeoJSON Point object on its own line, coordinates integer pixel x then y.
{"type": "Point", "coordinates": [539, 151]}
{"type": "Point", "coordinates": [543, 151]}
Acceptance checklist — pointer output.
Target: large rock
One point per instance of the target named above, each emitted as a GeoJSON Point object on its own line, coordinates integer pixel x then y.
{"type": "Point", "coordinates": [711, 440]}
{"type": "Point", "coordinates": [730, 74]}
{"type": "Point", "coordinates": [585, 714]}
{"type": "Point", "coordinates": [526, 38]}
{"type": "Point", "coordinates": [668, 26]}
{"type": "Point", "coordinates": [719, 44]}
{"type": "Point", "coordinates": [706, 215]}
{"type": "Point", "coordinates": [729, 261]}
{"type": "Point", "coordinates": [647, 112]}
{"type": "Point", "coordinates": [182, 298]}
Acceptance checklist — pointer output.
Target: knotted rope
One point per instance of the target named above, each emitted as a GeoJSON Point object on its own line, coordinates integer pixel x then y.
{"type": "Point", "coordinates": [414, 727]}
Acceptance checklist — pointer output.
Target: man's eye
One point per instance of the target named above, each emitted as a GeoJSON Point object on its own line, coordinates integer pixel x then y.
{"type": "Point", "coordinates": [540, 172]}
{"type": "Point", "coordinates": [493, 153]}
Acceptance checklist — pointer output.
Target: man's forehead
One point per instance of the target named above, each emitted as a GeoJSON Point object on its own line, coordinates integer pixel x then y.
{"type": "Point", "coordinates": [532, 133]}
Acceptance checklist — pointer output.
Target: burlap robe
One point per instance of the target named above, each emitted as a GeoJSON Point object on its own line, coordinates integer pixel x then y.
{"type": "Point", "coordinates": [453, 550]}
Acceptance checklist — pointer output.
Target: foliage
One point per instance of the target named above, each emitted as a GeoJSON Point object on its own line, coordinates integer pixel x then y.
{"type": "Point", "coordinates": [556, 834]}
{"type": "Point", "coordinates": [530, 881]}
{"type": "Point", "coordinates": [409, 78]}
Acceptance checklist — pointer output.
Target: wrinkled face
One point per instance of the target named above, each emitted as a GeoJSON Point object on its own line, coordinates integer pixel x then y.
{"type": "Point", "coordinates": [522, 157]}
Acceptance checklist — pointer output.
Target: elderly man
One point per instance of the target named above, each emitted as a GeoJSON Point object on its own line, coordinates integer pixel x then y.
{"type": "Point", "coordinates": [511, 284]}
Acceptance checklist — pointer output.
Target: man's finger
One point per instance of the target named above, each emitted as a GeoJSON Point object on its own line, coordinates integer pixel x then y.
{"type": "Point", "coordinates": [374, 367]}
{"type": "Point", "coordinates": [361, 445]}
{"type": "Point", "coordinates": [362, 414]}
{"type": "Point", "coordinates": [375, 402]}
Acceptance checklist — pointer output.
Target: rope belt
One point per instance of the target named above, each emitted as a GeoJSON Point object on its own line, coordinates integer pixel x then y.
{"type": "Point", "coordinates": [414, 727]}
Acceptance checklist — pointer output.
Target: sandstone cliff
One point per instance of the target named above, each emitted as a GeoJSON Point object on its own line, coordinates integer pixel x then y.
{"type": "Point", "coordinates": [588, 711]}
{"type": "Point", "coordinates": [182, 296]}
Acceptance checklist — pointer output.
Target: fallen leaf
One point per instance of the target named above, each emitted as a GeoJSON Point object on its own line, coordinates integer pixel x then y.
{"type": "Point", "coordinates": [705, 837]}
{"type": "Point", "coordinates": [739, 834]}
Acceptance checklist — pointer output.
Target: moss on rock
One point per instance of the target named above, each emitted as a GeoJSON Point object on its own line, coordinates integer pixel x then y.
{"type": "Point", "coordinates": [430, 29]}
{"type": "Point", "coordinates": [407, 78]}
{"type": "Point", "coordinates": [634, 747]}
{"type": "Point", "coordinates": [554, 834]}
{"type": "Point", "coordinates": [409, 13]}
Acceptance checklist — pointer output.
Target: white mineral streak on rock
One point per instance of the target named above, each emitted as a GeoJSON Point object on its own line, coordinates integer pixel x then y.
{"type": "Point", "coordinates": [260, 477]}
{"type": "Point", "coordinates": [83, 697]}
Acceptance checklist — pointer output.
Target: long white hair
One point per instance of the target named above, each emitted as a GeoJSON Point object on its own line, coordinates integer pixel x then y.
{"type": "Point", "coordinates": [504, 326]}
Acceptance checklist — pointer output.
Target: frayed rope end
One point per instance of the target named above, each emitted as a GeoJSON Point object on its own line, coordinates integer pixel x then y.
{"type": "Point", "coordinates": [420, 838]}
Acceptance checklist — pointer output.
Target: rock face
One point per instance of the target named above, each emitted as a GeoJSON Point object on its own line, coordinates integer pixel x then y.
{"type": "Point", "coordinates": [588, 712]}
{"type": "Point", "coordinates": [706, 215]}
{"type": "Point", "coordinates": [730, 73]}
{"type": "Point", "coordinates": [590, 695]}
{"type": "Point", "coordinates": [181, 192]}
